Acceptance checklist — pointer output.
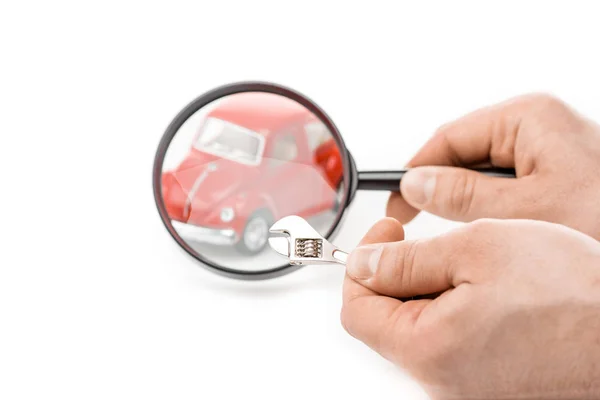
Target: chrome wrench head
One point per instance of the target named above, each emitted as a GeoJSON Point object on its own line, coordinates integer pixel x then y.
{"type": "Point", "coordinates": [294, 238]}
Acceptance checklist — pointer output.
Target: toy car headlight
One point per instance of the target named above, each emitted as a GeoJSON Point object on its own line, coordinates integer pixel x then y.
{"type": "Point", "coordinates": [227, 214]}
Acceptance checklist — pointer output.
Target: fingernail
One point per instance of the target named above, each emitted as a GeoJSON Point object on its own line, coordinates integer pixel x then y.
{"type": "Point", "coordinates": [363, 261]}
{"type": "Point", "coordinates": [418, 184]}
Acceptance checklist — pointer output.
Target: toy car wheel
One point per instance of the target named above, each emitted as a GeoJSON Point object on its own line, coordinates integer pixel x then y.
{"type": "Point", "coordinates": [256, 233]}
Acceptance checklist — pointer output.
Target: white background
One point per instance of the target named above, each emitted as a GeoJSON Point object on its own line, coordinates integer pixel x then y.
{"type": "Point", "coordinates": [97, 301]}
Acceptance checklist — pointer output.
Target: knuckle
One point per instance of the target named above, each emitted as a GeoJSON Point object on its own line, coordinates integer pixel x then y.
{"type": "Point", "coordinates": [485, 237]}
{"type": "Point", "coordinates": [462, 194]}
{"type": "Point", "coordinates": [545, 105]}
{"type": "Point", "coordinates": [541, 100]}
{"type": "Point", "coordinates": [546, 100]}
{"type": "Point", "coordinates": [442, 138]}
{"type": "Point", "coordinates": [443, 135]}
{"type": "Point", "coordinates": [405, 263]}
{"type": "Point", "coordinates": [552, 115]}
{"type": "Point", "coordinates": [503, 140]}
{"type": "Point", "coordinates": [441, 132]}
{"type": "Point", "coordinates": [481, 226]}
{"type": "Point", "coordinates": [473, 232]}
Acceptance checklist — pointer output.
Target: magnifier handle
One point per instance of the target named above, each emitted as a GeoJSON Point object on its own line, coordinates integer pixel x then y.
{"type": "Point", "coordinates": [390, 180]}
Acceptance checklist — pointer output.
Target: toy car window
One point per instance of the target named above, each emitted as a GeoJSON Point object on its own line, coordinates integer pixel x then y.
{"type": "Point", "coordinates": [230, 141]}
{"type": "Point", "coordinates": [316, 134]}
{"type": "Point", "coordinates": [285, 148]}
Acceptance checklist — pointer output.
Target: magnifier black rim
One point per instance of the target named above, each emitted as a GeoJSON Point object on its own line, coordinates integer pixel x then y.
{"type": "Point", "coordinates": [193, 107]}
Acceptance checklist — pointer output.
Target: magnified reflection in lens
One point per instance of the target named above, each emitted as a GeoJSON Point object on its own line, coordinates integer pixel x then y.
{"type": "Point", "coordinates": [243, 162]}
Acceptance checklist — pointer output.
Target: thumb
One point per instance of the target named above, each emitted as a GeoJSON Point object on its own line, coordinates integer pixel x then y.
{"type": "Point", "coordinates": [459, 194]}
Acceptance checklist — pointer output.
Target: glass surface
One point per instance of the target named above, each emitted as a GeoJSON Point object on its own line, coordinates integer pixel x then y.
{"type": "Point", "coordinates": [243, 162]}
{"type": "Point", "coordinates": [229, 141]}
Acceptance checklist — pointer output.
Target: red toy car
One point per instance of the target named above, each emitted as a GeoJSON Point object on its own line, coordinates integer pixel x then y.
{"type": "Point", "coordinates": [257, 157]}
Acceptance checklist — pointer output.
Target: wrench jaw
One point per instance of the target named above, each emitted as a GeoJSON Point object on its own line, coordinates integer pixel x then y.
{"type": "Point", "coordinates": [294, 238]}
{"type": "Point", "coordinates": [280, 242]}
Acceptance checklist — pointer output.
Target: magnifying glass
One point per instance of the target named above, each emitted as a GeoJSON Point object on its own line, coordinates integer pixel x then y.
{"type": "Point", "coordinates": [245, 155]}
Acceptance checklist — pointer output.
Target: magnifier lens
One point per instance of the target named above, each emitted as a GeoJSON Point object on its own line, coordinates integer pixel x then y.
{"type": "Point", "coordinates": [240, 163]}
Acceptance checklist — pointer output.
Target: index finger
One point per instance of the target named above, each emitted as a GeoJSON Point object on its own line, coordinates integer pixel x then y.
{"type": "Point", "coordinates": [485, 136]}
{"type": "Point", "coordinates": [482, 136]}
